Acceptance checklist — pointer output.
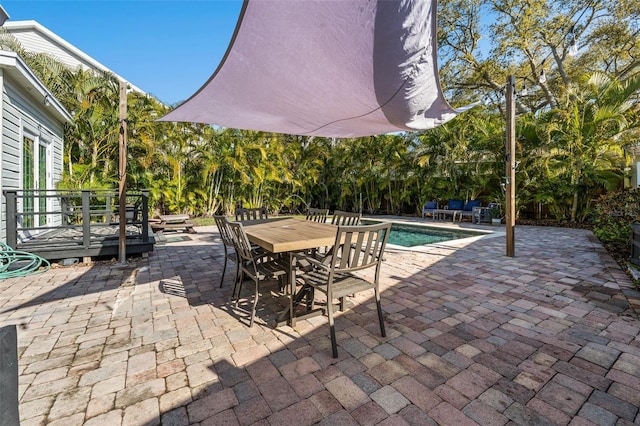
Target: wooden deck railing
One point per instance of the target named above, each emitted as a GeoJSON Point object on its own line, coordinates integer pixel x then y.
{"type": "Point", "coordinates": [84, 210]}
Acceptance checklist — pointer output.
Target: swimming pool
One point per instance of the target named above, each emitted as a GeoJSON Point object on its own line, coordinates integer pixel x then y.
{"type": "Point", "coordinates": [407, 235]}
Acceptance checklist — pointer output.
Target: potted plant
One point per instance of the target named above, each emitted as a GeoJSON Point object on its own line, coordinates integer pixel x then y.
{"type": "Point", "coordinates": [495, 212]}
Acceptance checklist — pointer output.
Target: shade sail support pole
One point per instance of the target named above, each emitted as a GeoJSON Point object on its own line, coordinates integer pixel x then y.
{"type": "Point", "coordinates": [510, 166]}
{"type": "Point", "coordinates": [122, 211]}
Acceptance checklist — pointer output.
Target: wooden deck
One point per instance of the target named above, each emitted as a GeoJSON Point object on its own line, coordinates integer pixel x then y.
{"type": "Point", "coordinates": [69, 242]}
{"type": "Point", "coordinates": [80, 224]}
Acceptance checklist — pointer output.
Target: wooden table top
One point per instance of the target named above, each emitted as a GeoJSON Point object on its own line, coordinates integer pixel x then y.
{"type": "Point", "coordinates": [282, 235]}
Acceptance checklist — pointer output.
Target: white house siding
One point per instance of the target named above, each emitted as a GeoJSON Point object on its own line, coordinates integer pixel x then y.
{"type": "Point", "coordinates": [34, 38]}
{"type": "Point", "coordinates": [21, 117]}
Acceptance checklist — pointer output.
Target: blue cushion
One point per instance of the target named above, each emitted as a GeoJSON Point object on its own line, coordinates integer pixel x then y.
{"type": "Point", "coordinates": [429, 205]}
{"type": "Point", "coordinates": [456, 204]}
{"type": "Point", "coordinates": [471, 204]}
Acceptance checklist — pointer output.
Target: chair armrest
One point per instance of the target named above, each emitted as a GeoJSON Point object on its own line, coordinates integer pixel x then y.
{"type": "Point", "coordinates": [312, 261]}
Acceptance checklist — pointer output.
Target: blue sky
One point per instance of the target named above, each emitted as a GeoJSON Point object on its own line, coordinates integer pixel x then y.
{"type": "Point", "coordinates": [167, 48]}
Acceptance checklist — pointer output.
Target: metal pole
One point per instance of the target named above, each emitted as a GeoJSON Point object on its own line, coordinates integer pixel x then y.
{"type": "Point", "coordinates": [122, 211]}
{"type": "Point", "coordinates": [510, 167]}
{"type": "Point", "coordinates": [86, 218]}
{"type": "Point", "coordinates": [12, 218]}
{"type": "Point", "coordinates": [9, 412]}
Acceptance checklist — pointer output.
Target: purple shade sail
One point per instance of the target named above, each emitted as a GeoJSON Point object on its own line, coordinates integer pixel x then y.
{"type": "Point", "coordinates": [333, 68]}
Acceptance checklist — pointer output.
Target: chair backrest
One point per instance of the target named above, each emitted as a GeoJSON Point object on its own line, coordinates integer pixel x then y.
{"type": "Point", "coordinates": [430, 205]}
{"type": "Point", "coordinates": [242, 245]}
{"type": "Point", "coordinates": [223, 227]}
{"type": "Point", "coordinates": [317, 215]}
{"type": "Point", "coordinates": [359, 247]}
{"type": "Point", "coordinates": [341, 218]}
{"type": "Point", "coordinates": [258, 213]}
{"type": "Point", "coordinates": [469, 205]}
{"type": "Point", "coordinates": [454, 204]}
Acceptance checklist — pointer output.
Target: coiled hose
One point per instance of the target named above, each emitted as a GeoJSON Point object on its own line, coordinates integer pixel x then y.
{"type": "Point", "coordinates": [15, 263]}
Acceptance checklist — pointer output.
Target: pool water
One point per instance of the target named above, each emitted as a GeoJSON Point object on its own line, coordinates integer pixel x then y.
{"type": "Point", "coordinates": [411, 235]}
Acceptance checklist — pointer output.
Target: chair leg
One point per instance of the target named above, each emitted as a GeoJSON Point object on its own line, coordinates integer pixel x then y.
{"type": "Point", "coordinates": [235, 286]}
{"type": "Point", "coordinates": [311, 295]}
{"type": "Point", "coordinates": [239, 283]}
{"type": "Point", "coordinates": [332, 329]}
{"type": "Point", "coordinates": [382, 330]}
{"type": "Point", "coordinates": [224, 267]}
{"type": "Point", "coordinates": [282, 282]}
{"type": "Point", "coordinates": [255, 303]}
{"type": "Point", "coordinates": [236, 281]}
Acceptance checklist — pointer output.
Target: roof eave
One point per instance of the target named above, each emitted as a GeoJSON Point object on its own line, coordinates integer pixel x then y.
{"type": "Point", "coordinates": [26, 77]}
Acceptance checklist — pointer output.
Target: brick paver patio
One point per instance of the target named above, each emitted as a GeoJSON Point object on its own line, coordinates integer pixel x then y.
{"type": "Point", "coordinates": [473, 337]}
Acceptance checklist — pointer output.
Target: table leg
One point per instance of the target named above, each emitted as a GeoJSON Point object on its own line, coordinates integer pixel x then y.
{"type": "Point", "coordinates": [292, 288]}
{"type": "Point", "coordinates": [294, 299]}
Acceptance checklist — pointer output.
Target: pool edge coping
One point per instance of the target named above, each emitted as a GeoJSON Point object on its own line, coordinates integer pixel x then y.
{"type": "Point", "coordinates": [457, 243]}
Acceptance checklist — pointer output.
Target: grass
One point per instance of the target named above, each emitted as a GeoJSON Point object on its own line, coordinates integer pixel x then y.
{"type": "Point", "coordinates": [209, 221]}
{"type": "Point", "coordinates": [203, 221]}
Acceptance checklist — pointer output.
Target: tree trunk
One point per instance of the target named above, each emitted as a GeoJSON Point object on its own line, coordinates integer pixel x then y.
{"type": "Point", "coordinates": [574, 206]}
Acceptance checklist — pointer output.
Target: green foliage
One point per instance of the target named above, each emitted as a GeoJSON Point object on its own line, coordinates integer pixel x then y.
{"type": "Point", "coordinates": [618, 233]}
{"type": "Point", "coordinates": [572, 131]}
{"type": "Point", "coordinates": [495, 212]}
{"type": "Point", "coordinates": [615, 214]}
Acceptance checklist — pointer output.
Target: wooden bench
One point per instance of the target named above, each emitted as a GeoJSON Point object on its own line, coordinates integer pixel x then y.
{"type": "Point", "coordinates": [171, 221]}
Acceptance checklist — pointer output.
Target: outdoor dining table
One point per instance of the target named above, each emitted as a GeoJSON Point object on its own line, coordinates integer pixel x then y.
{"type": "Point", "coordinates": [287, 236]}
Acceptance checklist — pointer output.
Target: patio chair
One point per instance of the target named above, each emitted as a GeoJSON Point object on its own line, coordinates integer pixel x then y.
{"type": "Point", "coordinates": [359, 247]}
{"type": "Point", "coordinates": [245, 214]}
{"type": "Point", "coordinates": [467, 210]}
{"type": "Point", "coordinates": [429, 208]}
{"type": "Point", "coordinates": [342, 218]}
{"type": "Point", "coordinates": [229, 247]}
{"type": "Point", "coordinates": [317, 215]}
{"type": "Point", "coordinates": [320, 216]}
{"type": "Point", "coordinates": [258, 270]}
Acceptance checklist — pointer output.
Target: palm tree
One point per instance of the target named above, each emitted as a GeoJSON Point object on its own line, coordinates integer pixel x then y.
{"type": "Point", "coordinates": [586, 138]}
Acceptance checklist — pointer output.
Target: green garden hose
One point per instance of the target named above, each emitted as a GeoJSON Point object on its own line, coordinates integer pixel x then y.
{"type": "Point", "coordinates": [15, 263]}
